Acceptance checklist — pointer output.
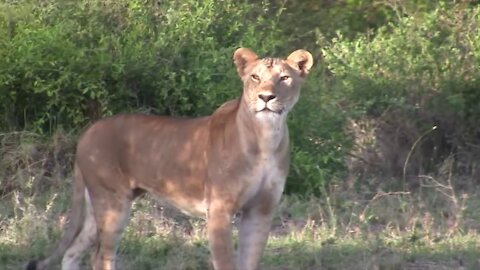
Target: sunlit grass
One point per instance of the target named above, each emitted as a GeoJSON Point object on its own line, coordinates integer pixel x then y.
{"type": "Point", "coordinates": [314, 233]}
{"type": "Point", "coordinates": [432, 226]}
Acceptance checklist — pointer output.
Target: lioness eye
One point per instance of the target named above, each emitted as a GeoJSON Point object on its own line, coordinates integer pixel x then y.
{"type": "Point", "coordinates": [284, 78]}
{"type": "Point", "coordinates": [255, 77]}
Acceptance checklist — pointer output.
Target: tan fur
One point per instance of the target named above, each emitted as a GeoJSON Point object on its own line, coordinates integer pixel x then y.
{"type": "Point", "coordinates": [235, 160]}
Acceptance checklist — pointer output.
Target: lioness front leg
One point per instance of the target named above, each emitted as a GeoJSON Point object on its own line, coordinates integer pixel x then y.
{"type": "Point", "coordinates": [219, 228]}
{"type": "Point", "coordinates": [253, 229]}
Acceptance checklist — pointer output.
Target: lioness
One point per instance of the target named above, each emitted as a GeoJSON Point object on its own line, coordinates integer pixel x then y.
{"type": "Point", "coordinates": [235, 160]}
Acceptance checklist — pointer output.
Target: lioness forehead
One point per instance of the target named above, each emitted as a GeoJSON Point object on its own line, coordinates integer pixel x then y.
{"type": "Point", "coordinates": [270, 65]}
{"type": "Point", "coordinates": [270, 62]}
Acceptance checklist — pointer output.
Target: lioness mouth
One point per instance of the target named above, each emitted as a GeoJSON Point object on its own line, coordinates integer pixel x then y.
{"type": "Point", "coordinates": [270, 110]}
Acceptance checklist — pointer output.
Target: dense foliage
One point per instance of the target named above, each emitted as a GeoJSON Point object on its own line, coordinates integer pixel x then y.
{"type": "Point", "coordinates": [417, 77]}
{"type": "Point", "coordinates": [64, 62]}
{"type": "Point", "coordinates": [403, 67]}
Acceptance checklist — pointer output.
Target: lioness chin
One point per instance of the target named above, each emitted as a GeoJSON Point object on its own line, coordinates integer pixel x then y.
{"type": "Point", "coordinates": [235, 160]}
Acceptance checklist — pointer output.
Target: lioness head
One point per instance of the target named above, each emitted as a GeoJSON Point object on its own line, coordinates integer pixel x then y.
{"type": "Point", "coordinates": [271, 85]}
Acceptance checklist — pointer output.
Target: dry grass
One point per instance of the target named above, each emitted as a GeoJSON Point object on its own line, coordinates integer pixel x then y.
{"type": "Point", "coordinates": [390, 231]}
{"type": "Point", "coordinates": [434, 226]}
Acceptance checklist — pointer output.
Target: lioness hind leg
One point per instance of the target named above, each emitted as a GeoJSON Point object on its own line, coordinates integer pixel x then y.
{"type": "Point", "coordinates": [111, 213]}
{"type": "Point", "coordinates": [84, 240]}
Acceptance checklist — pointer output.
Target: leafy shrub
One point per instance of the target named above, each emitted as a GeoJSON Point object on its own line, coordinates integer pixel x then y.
{"type": "Point", "coordinates": [410, 77]}
{"type": "Point", "coordinates": [64, 63]}
{"type": "Point", "coordinates": [319, 140]}
{"type": "Point", "coordinates": [68, 63]}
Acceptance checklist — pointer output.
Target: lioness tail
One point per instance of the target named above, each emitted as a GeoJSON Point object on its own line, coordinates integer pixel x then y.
{"type": "Point", "coordinates": [75, 224]}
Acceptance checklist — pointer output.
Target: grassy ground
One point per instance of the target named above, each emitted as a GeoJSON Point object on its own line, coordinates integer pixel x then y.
{"type": "Point", "coordinates": [393, 230]}
{"type": "Point", "coordinates": [373, 224]}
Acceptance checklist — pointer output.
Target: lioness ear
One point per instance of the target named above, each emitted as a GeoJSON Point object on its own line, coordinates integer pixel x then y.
{"type": "Point", "coordinates": [303, 60]}
{"type": "Point", "coordinates": [242, 57]}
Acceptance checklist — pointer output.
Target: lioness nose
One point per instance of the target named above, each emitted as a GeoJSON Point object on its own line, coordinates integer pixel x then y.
{"type": "Point", "coordinates": [267, 97]}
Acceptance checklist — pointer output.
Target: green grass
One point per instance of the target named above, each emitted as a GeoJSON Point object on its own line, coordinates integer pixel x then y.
{"type": "Point", "coordinates": [395, 230]}
{"type": "Point", "coordinates": [371, 224]}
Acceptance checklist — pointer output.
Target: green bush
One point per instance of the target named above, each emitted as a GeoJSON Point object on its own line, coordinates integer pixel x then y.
{"type": "Point", "coordinates": [68, 63]}
{"type": "Point", "coordinates": [420, 73]}
{"type": "Point", "coordinates": [65, 62]}
{"type": "Point", "coordinates": [320, 142]}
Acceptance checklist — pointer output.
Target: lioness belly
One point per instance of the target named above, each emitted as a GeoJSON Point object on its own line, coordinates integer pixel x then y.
{"type": "Point", "coordinates": [188, 200]}
{"type": "Point", "coordinates": [190, 207]}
